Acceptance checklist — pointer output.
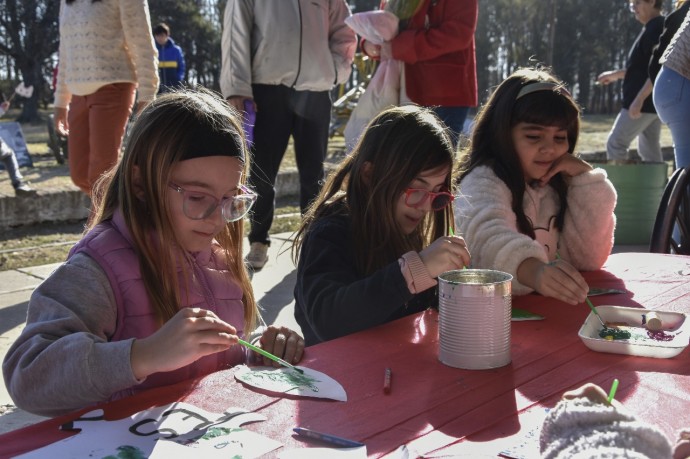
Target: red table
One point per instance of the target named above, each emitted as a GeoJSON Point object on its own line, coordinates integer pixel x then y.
{"type": "Point", "coordinates": [446, 407]}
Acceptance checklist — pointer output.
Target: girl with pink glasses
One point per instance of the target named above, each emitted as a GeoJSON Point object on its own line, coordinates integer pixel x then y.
{"type": "Point", "coordinates": [373, 242]}
{"type": "Point", "coordinates": [156, 291]}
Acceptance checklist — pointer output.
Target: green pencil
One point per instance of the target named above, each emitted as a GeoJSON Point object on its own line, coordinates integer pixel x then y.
{"type": "Point", "coordinates": [612, 392]}
{"type": "Point", "coordinates": [269, 355]}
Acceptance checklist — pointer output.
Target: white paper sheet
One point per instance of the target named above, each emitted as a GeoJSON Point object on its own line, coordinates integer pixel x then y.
{"type": "Point", "coordinates": [287, 381]}
{"type": "Point", "coordinates": [179, 428]}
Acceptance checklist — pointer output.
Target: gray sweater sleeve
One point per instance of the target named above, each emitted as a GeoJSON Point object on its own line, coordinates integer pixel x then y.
{"type": "Point", "coordinates": [63, 359]}
{"type": "Point", "coordinates": [585, 429]}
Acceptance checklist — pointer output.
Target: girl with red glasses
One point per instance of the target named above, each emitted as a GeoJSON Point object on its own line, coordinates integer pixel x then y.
{"type": "Point", "coordinates": [373, 242]}
{"type": "Point", "coordinates": [156, 291]}
{"type": "Point", "coordinates": [526, 198]}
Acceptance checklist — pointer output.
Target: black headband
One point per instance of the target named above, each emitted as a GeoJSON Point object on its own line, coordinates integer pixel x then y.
{"type": "Point", "coordinates": [204, 141]}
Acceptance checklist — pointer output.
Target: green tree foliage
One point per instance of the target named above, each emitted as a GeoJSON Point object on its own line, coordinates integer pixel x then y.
{"type": "Point", "coordinates": [578, 39]}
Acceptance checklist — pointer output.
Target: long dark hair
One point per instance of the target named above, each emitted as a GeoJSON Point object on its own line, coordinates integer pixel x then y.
{"type": "Point", "coordinates": [492, 142]}
{"type": "Point", "coordinates": [397, 145]}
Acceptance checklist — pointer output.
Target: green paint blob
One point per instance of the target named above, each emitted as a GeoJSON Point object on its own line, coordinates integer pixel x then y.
{"type": "Point", "coordinates": [614, 333]}
{"type": "Point", "coordinates": [128, 452]}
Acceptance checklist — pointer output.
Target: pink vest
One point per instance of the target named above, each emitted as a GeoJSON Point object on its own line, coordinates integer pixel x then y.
{"type": "Point", "coordinates": [213, 288]}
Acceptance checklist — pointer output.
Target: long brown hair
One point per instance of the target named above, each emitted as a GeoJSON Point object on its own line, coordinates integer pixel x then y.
{"type": "Point", "coordinates": [492, 141]}
{"type": "Point", "coordinates": [159, 138]}
{"type": "Point", "coordinates": [396, 147]}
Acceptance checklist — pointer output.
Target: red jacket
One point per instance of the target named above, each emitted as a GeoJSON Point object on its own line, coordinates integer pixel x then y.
{"type": "Point", "coordinates": [440, 67]}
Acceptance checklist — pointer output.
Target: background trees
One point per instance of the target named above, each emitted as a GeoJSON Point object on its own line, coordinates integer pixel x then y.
{"type": "Point", "coordinates": [577, 38]}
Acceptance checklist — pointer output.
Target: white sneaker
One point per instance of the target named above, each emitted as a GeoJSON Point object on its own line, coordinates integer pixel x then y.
{"type": "Point", "coordinates": [257, 256]}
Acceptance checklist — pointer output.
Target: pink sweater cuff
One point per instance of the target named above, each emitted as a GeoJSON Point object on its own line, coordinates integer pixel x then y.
{"type": "Point", "coordinates": [415, 273]}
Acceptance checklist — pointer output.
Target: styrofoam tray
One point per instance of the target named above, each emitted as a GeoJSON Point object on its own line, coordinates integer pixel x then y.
{"type": "Point", "coordinates": [639, 344]}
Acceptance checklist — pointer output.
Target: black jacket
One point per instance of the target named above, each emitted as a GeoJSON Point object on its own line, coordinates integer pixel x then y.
{"type": "Point", "coordinates": [332, 299]}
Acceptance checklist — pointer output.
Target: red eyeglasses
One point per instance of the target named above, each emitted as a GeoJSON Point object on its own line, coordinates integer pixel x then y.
{"type": "Point", "coordinates": [416, 198]}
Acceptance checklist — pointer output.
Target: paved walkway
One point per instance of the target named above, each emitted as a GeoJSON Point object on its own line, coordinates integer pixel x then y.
{"type": "Point", "coordinates": [273, 288]}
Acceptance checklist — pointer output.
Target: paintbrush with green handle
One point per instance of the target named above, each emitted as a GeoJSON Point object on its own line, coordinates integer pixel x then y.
{"type": "Point", "coordinates": [452, 233]}
{"type": "Point", "coordinates": [589, 303]}
{"type": "Point", "coordinates": [269, 355]}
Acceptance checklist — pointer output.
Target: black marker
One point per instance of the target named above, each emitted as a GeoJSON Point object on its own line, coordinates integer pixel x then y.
{"type": "Point", "coordinates": [332, 439]}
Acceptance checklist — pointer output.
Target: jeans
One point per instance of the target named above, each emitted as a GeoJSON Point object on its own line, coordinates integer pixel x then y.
{"type": "Point", "coordinates": [9, 159]}
{"type": "Point", "coordinates": [672, 102]}
{"type": "Point", "coordinates": [281, 112]}
{"type": "Point", "coordinates": [647, 129]}
{"type": "Point", "coordinates": [454, 117]}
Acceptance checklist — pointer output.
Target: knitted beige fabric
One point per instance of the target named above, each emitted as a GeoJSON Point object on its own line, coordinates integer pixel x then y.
{"type": "Point", "coordinates": [583, 429]}
{"type": "Point", "coordinates": [105, 42]}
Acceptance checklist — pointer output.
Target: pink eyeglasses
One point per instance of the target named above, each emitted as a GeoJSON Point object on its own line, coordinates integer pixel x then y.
{"type": "Point", "coordinates": [415, 198]}
{"type": "Point", "coordinates": [198, 205]}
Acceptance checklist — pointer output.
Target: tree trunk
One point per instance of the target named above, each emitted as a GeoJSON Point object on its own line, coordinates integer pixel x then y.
{"type": "Point", "coordinates": [31, 73]}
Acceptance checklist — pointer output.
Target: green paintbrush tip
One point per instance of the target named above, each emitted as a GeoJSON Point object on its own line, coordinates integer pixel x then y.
{"type": "Point", "coordinates": [269, 355]}
{"type": "Point", "coordinates": [612, 392]}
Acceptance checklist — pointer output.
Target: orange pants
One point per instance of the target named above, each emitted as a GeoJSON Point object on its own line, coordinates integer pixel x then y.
{"type": "Point", "coordinates": [97, 124]}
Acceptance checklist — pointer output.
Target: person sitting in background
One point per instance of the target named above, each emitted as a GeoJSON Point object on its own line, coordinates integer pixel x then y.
{"type": "Point", "coordinates": [171, 65]}
{"type": "Point", "coordinates": [9, 159]}
{"type": "Point", "coordinates": [584, 425]}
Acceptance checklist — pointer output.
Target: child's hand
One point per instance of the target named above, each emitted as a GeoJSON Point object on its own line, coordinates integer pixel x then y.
{"type": "Point", "coordinates": [558, 279]}
{"type": "Point", "coordinates": [371, 49]}
{"type": "Point", "coordinates": [682, 448]}
{"type": "Point", "coordinates": [192, 333]}
{"type": "Point", "coordinates": [445, 254]}
{"type": "Point", "coordinates": [237, 102]}
{"type": "Point", "coordinates": [592, 392]}
{"type": "Point", "coordinates": [282, 342]}
{"type": "Point", "coordinates": [567, 164]}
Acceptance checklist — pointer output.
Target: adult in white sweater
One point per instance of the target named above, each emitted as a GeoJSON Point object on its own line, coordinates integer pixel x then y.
{"type": "Point", "coordinates": [106, 53]}
{"type": "Point", "coordinates": [527, 206]}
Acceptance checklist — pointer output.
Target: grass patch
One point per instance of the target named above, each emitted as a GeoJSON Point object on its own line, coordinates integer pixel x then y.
{"type": "Point", "coordinates": [26, 246]}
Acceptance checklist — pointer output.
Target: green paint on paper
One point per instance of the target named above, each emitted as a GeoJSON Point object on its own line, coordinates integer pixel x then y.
{"type": "Point", "coordinates": [214, 432]}
{"type": "Point", "coordinates": [128, 452]}
{"type": "Point", "coordinates": [289, 378]}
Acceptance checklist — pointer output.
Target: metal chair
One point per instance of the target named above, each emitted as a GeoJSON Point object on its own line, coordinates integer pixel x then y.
{"type": "Point", "coordinates": [674, 210]}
